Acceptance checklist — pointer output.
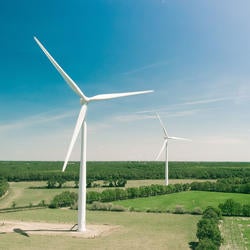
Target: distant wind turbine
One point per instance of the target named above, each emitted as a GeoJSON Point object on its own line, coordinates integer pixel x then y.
{"type": "Point", "coordinates": [81, 125]}
{"type": "Point", "coordinates": [165, 146]}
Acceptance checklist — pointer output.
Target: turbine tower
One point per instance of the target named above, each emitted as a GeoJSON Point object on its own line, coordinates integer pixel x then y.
{"type": "Point", "coordinates": [81, 125]}
{"type": "Point", "coordinates": [165, 146]}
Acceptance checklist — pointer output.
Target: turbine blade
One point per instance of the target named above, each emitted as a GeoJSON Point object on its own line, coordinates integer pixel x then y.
{"type": "Point", "coordinates": [65, 76]}
{"type": "Point", "coordinates": [117, 95]}
{"type": "Point", "coordinates": [178, 138]}
{"type": "Point", "coordinates": [162, 148]}
{"type": "Point", "coordinates": [163, 127]}
{"type": "Point", "coordinates": [79, 122]}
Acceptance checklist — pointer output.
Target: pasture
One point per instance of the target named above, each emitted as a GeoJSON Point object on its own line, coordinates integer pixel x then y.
{"type": "Point", "coordinates": [137, 230]}
{"type": "Point", "coordinates": [189, 200]}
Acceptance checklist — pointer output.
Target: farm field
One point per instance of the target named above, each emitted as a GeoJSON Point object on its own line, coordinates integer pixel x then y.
{"type": "Point", "coordinates": [236, 233]}
{"type": "Point", "coordinates": [189, 200]}
{"type": "Point", "coordinates": [137, 230]}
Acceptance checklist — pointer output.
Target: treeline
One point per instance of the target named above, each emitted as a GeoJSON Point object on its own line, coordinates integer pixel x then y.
{"type": "Point", "coordinates": [3, 186]}
{"type": "Point", "coordinates": [108, 195]}
{"type": "Point", "coordinates": [68, 199]}
{"type": "Point", "coordinates": [43, 171]}
{"type": "Point", "coordinates": [228, 185]}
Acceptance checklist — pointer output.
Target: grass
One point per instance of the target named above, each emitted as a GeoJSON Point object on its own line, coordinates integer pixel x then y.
{"type": "Point", "coordinates": [23, 194]}
{"type": "Point", "coordinates": [137, 231]}
{"type": "Point", "coordinates": [189, 200]}
{"type": "Point", "coordinates": [236, 233]}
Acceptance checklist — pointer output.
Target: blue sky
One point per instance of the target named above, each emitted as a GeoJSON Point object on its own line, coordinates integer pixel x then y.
{"type": "Point", "coordinates": [194, 54]}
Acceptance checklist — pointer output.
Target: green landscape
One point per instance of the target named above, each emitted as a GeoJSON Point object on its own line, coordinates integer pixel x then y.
{"type": "Point", "coordinates": [157, 217]}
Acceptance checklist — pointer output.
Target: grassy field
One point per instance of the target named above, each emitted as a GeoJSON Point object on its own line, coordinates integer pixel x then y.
{"type": "Point", "coordinates": [24, 193]}
{"type": "Point", "coordinates": [137, 183]}
{"type": "Point", "coordinates": [236, 233]}
{"type": "Point", "coordinates": [137, 231]}
{"type": "Point", "coordinates": [189, 200]}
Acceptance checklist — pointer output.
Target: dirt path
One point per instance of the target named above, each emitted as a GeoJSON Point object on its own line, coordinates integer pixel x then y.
{"type": "Point", "coordinates": [12, 195]}
{"type": "Point", "coordinates": [28, 228]}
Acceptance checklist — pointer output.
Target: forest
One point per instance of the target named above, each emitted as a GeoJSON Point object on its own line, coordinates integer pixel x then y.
{"type": "Point", "coordinates": [131, 170]}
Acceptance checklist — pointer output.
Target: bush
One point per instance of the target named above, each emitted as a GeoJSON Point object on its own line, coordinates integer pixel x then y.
{"type": "Point", "coordinates": [206, 244]}
{"type": "Point", "coordinates": [212, 213]}
{"type": "Point", "coordinates": [246, 210]}
{"type": "Point", "coordinates": [106, 207]}
{"type": "Point", "coordinates": [197, 211]}
{"type": "Point", "coordinates": [208, 229]}
{"type": "Point", "coordinates": [93, 196]}
{"type": "Point", "coordinates": [231, 208]}
{"type": "Point", "coordinates": [179, 209]}
{"type": "Point", "coordinates": [65, 199]}
{"type": "Point", "coordinates": [117, 208]}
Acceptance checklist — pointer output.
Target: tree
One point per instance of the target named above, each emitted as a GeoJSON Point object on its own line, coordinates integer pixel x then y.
{"type": "Point", "coordinates": [60, 181]}
{"type": "Point", "coordinates": [206, 244]}
{"type": "Point", "coordinates": [208, 229]}
{"type": "Point", "coordinates": [246, 210]}
{"type": "Point", "coordinates": [231, 207]}
{"type": "Point", "coordinates": [212, 213]}
{"type": "Point", "coordinates": [51, 183]}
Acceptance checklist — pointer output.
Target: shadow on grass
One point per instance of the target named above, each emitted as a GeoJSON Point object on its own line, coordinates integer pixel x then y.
{"type": "Point", "coordinates": [193, 244]}
{"type": "Point", "coordinates": [45, 187]}
{"type": "Point", "coordinates": [25, 232]}
{"type": "Point", "coordinates": [20, 231]}
{"type": "Point", "coordinates": [17, 209]}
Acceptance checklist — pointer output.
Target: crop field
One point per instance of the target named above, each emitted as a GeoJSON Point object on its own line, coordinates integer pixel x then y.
{"type": "Point", "coordinates": [236, 233]}
{"type": "Point", "coordinates": [189, 200]}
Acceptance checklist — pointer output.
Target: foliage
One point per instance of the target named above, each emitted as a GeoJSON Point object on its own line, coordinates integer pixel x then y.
{"type": "Point", "coordinates": [206, 244]}
{"type": "Point", "coordinates": [40, 171]}
{"type": "Point", "coordinates": [106, 207]}
{"type": "Point", "coordinates": [212, 213]}
{"type": "Point", "coordinates": [4, 185]}
{"type": "Point", "coordinates": [108, 195]}
{"type": "Point", "coordinates": [55, 182]}
{"type": "Point", "coordinates": [179, 209]}
{"type": "Point", "coordinates": [65, 199]}
{"type": "Point", "coordinates": [232, 208]}
{"type": "Point", "coordinates": [208, 231]}
{"type": "Point", "coordinates": [228, 185]}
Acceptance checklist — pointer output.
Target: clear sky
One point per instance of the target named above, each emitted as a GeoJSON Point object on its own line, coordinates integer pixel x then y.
{"type": "Point", "coordinates": [194, 54]}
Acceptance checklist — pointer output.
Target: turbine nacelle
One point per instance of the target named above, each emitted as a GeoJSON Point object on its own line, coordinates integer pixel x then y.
{"type": "Point", "coordinates": [167, 137]}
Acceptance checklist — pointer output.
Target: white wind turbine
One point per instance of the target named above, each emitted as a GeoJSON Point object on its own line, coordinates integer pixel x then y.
{"type": "Point", "coordinates": [81, 125]}
{"type": "Point", "coordinates": [165, 146]}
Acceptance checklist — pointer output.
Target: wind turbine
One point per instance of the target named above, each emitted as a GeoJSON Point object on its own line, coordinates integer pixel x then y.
{"type": "Point", "coordinates": [81, 125]}
{"type": "Point", "coordinates": [165, 146]}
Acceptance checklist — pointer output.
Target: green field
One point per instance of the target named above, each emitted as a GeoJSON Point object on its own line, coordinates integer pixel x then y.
{"type": "Point", "coordinates": [24, 193]}
{"type": "Point", "coordinates": [236, 233]}
{"type": "Point", "coordinates": [137, 231]}
{"type": "Point", "coordinates": [189, 200]}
